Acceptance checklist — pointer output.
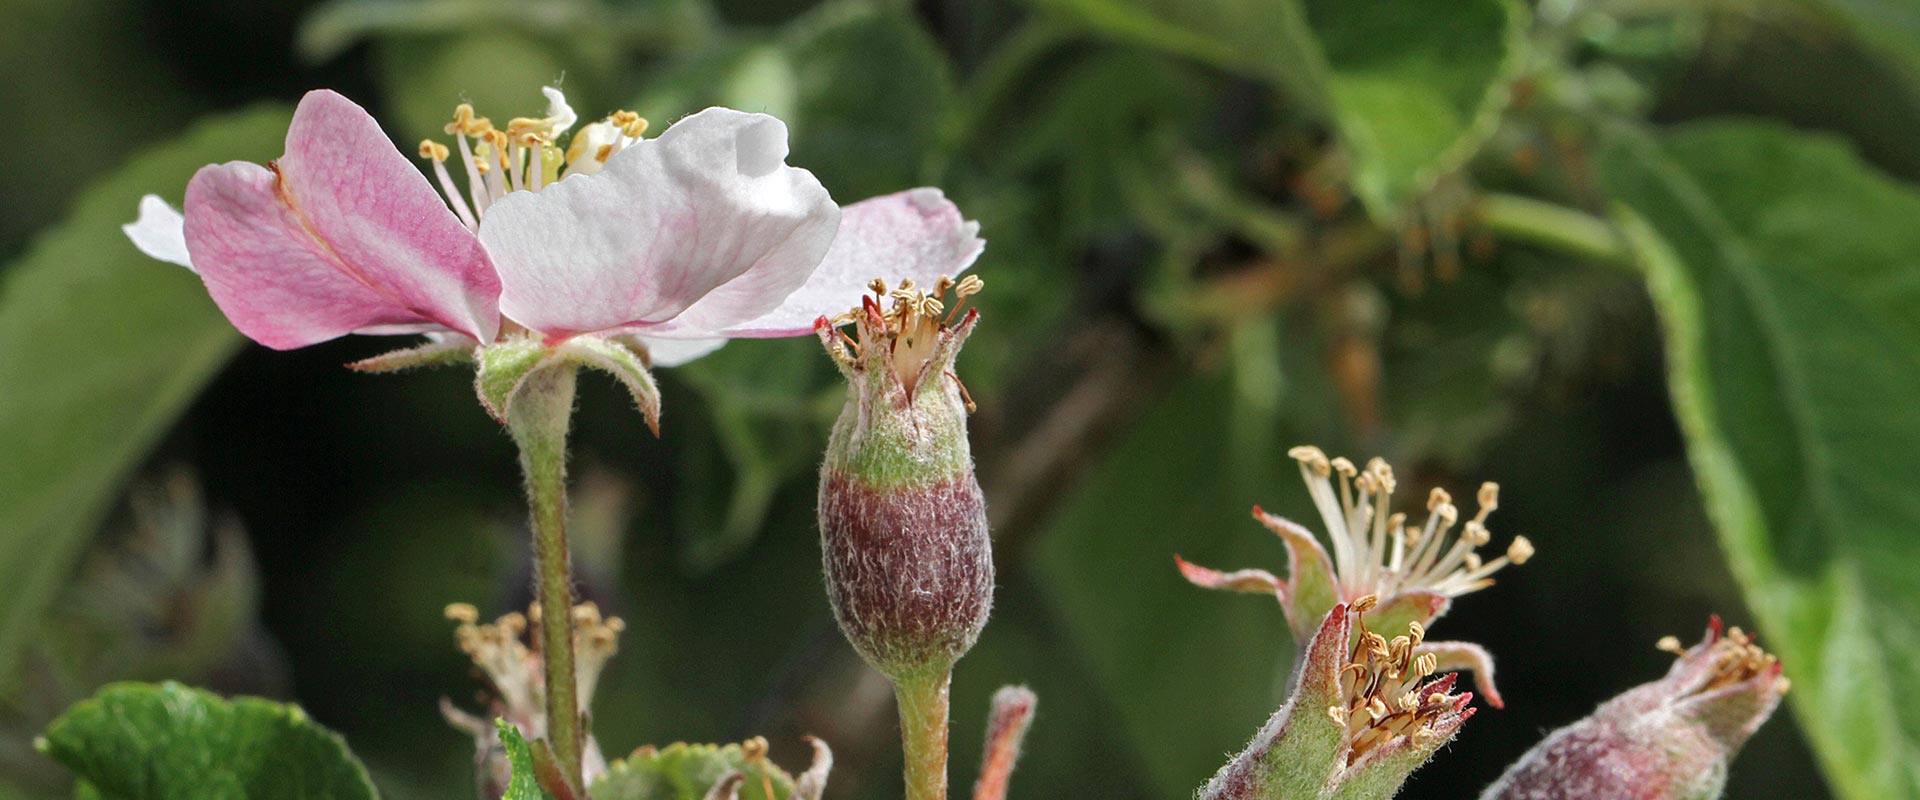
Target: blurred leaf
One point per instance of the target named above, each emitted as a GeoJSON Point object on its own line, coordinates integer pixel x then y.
{"type": "Point", "coordinates": [687, 771]}
{"type": "Point", "coordinates": [1267, 38]}
{"type": "Point", "coordinates": [1416, 86]}
{"type": "Point", "coordinates": [1785, 273]}
{"type": "Point", "coordinates": [1891, 28]}
{"type": "Point", "coordinates": [72, 62]}
{"type": "Point", "coordinates": [862, 86]}
{"type": "Point", "coordinates": [137, 741]}
{"type": "Point", "coordinates": [1107, 561]}
{"type": "Point", "coordinates": [340, 24]}
{"type": "Point", "coordinates": [104, 347]}
{"type": "Point", "coordinates": [1413, 87]}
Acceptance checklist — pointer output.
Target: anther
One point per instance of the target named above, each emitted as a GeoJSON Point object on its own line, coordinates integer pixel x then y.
{"type": "Point", "coordinates": [434, 150]}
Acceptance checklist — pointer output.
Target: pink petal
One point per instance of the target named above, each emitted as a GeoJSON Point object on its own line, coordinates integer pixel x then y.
{"type": "Point", "coordinates": [708, 214]}
{"type": "Point", "coordinates": [341, 235]}
{"type": "Point", "coordinates": [917, 234]}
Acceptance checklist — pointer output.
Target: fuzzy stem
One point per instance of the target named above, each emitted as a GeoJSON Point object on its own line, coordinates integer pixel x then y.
{"type": "Point", "coordinates": [538, 417]}
{"type": "Point", "coordinates": [923, 731]}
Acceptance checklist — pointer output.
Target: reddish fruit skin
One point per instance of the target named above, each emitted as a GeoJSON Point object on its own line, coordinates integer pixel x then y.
{"type": "Point", "coordinates": [909, 568]}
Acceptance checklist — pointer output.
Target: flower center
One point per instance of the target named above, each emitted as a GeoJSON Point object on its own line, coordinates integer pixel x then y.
{"type": "Point", "coordinates": [1384, 691]}
{"type": "Point", "coordinates": [526, 155]}
{"type": "Point", "coordinates": [1736, 657]}
{"type": "Point", "coordinates": [1375, 551]}
{"type": "Point", "coordinates": [912, 328]}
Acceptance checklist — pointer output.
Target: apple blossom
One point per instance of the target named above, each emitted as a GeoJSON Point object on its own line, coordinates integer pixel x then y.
{"type": "Point", "coordinates": [673, 244]}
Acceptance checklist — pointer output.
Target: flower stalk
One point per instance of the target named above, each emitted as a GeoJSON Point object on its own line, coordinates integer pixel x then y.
{"type": "Point", "coordinates": [923, 701]}
{"type": "Point", "coordinates": [538, 419]}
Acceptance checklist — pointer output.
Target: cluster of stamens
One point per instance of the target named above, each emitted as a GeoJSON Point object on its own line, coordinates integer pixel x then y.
{"type": "Point", "coordinates": [1377, 551]}
{"type": "Point", "coordinates": [911, 327]}
{"type": "Point", "coordinates": [1384, 691]}
{"type": "Point", "coordinates": [1736, 658]}
{"type": "Point", "coordinates": [500, 650]}
{"type": "Point", "coordinates": [525, 156]}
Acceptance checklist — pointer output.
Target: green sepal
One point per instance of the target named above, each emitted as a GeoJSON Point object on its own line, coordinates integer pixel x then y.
{"type": "Point", "coordinates": [433, 353]}
{"type": "Point", "coordinates": [1311, 590]}
{"type": "Point", "coordinates": [622, 362]}
{"type": "Point", "coordinates": [522, 784]}
{"type": "Point", "coordinates": [140, 741]}
{"type": "Point", "coordinates": [687, 772]}
{"type": "Point", "coordinates": [503, 368]}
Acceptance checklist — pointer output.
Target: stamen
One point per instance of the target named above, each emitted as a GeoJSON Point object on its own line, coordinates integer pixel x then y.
{"type": "Point", "coordinates": [437, 153]}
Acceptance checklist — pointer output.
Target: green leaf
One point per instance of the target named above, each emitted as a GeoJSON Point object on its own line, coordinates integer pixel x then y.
{"type": "Point", "coordinates": [862, 86]}
{"type": "Point", "coordinates": [105, 347]}
{"type": "Point", "coordinates": [521, 785]}
{"type": "Point", "coordinates": [687, 771]}
{"type": "Point", "coordinates": [1784, 271]}
{"type": "Point", "coordinates": [1413, 88]}
{"type": "Point", "coordinates": [1416, 87]}
{"type": "Point", "coordinates": [136, 741]}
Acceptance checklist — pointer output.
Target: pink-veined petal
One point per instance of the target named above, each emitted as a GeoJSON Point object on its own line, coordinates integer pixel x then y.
{"type": "Point", "coordinates": [917, 234]}
{"type": "Point", "coordinates": [665, 225]}
{"type": "Point", "coordinates": [160, 232]}
{"type": "Point", "coordinates": [341, 235]}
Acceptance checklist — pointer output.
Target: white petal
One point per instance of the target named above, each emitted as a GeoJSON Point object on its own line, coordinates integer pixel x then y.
{"type": "Point", "coordinates": [159, 232]}
{"type": "Point", "coordinates": [707, 211]}
{"type": "Point", "coordinates": [674, 352]}
{"type": "Point", "coordinates": [917, 234]}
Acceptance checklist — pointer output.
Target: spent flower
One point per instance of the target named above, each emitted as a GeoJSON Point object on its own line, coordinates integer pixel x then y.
{"type": "Point", "coordinates": [1363, 713]}
{"type": "Point", "coordinates": [1414, 569]}
{"type": "Point", "coordinates": [903, 524]}
{"type": "Point", "coordinates": [1672, 739]}
{"type": "Point", "coordinates": [514, 674]}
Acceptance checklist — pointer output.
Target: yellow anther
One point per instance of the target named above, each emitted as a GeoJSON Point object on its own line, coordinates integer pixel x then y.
{"type": "Point", "coordinates": [1437, 498]}
{"type": "Point", "coordinates": [432, 149]}
{"type": "Point", "coordinates": [1489, 496]}
{"type": "Point", "coordinates": [629, 123]}
{"type": "Point", "coordinates": [1314, 459]}
{"type": "Point", "coordinates": [462, 119]}
{"type": "Point", "coordinates": [969, 286]}
{"type": "Point", "coordinates": [467, 614]}
{"type": "Point", "coordinates": [1365, 603]}
{"type": "Point", "coordinates": [1670, 644]}
{"type": "Point", "coordinates": [1520, 550]}
{"type": "Point", "coordinates": [1475, 533]}
{"type": "Point", "coordinates": [1426, 664]}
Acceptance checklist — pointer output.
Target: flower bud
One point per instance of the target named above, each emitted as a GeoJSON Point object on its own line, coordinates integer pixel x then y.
{"type": "Point", "coordinates": [903, 525]}
{"type": "Point", "coordinates": [1671, 739]}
